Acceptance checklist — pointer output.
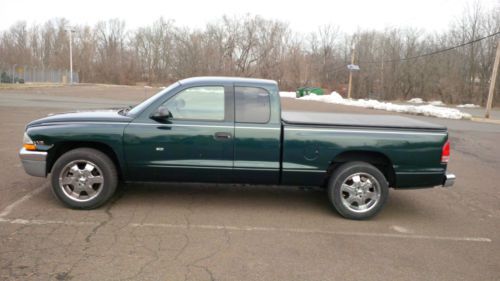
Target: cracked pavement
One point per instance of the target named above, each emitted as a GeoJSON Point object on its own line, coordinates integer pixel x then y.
{"type": "Point", "coordinates": [236, 232]}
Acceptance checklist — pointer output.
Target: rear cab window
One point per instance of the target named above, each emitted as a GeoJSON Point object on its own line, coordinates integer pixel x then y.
{"type": "Point", "coordinates": [252, 105]}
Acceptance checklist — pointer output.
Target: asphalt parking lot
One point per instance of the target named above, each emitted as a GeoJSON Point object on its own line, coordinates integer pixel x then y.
{"type": "Point", "coordinates": [228, 232]}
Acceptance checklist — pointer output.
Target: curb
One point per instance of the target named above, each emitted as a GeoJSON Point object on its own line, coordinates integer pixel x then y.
{"type": "Point", "coordinates": [485, 120]}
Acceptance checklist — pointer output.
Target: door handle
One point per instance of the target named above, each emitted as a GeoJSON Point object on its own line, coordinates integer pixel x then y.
{"type": "Point", "coordinates": [222, 136]}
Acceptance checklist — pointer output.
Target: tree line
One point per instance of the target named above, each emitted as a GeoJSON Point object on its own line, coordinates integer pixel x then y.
{"type": "Point", "coordinates": [253, 46]}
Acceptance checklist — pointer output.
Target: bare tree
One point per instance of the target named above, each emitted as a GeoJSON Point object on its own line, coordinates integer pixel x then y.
{"type": "Point", "coordinates": [254, 46]}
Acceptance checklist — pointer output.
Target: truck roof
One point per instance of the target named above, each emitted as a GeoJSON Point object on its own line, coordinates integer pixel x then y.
{"type": "Point", "coordinates": [212, 79]}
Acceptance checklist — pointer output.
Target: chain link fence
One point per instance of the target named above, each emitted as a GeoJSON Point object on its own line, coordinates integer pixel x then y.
{"type": "Point", "coordinates": [27, 74]}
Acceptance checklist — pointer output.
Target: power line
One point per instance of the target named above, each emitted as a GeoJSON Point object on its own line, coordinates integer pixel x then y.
{"type": "Point", "coordinates": [433, 53]}
{"type": "Point", "coordinates": [343, 66]}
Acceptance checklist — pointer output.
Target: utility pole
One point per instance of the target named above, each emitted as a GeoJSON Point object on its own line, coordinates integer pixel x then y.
{"type": "Point", "coordinates": [382, 79]}
{"type": "Point", "coordinates": [492, 81]}
{"type": "Point", "coordinates": [13, 73]}
{"type": "Point", "coordinates": [70, 30]}
{"type": "Point", "coordinates": [349, 89]}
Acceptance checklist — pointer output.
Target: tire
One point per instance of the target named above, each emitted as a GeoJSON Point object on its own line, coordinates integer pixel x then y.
{"type": "Point", "coordinates": [84, 178]}
{"type": "Point", "coordinates": [358, 190]}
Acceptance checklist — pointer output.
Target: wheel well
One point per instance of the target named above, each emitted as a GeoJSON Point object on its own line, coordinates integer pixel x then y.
{"type": "Point", "coordinates": [61, 148]}
{"type": "Point", "coordinates": [377, 159]}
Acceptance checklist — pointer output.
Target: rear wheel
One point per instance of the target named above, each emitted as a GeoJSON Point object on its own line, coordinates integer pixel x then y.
{"type": "Point", "coordinates": [84, 178]}
{"type": "Point", "coordinates": [358, 190]}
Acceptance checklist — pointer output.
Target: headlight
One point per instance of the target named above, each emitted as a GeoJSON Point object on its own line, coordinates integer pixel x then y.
{"type": "Point", "coordinates": [28, 144]}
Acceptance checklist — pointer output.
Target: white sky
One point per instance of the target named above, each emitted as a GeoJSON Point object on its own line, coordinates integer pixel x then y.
{"type": "Point", "coordinates": [303, 16]}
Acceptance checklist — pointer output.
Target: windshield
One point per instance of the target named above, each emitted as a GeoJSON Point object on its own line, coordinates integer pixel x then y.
{"type": "Point", "coordinates": [143, 105]}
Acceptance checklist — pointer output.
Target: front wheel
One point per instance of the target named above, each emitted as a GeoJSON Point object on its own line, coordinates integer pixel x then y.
{"type": "Point", "coordinates": [84, 178]}
{"type": "Point", "coordinates": [358, 190]}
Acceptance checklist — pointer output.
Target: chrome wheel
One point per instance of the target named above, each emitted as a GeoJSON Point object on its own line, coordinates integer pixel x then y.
{"type": "Point", "coordinates": [360, 192]}
{"type": "Point", "coordinates": [81, 180]}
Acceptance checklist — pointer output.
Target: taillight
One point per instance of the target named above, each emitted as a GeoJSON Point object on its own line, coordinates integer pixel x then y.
{"type": "Point", "coordinates": [445, 154]}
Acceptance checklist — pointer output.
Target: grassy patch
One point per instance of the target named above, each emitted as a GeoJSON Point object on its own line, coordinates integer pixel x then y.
{"type": "Point", "coordinates": [7, 86]}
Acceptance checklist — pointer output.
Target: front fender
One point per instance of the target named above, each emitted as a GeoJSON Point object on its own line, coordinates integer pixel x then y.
{"type": "Point", "coordinates": [53, 136]}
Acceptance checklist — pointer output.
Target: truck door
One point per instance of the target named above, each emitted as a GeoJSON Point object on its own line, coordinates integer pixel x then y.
{"type": "Point", "coordinates": [195, 144]}
{"type": "Point", "coordinates": [257, 134]}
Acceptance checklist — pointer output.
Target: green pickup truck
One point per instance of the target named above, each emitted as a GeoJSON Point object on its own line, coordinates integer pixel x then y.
{"type": "Point", "coordinates": [232, 130]}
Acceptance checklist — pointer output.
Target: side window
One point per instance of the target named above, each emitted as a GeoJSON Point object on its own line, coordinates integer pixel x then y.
{"type": "Point", "coordinates": [198, 103]}
{"type": "Point", "coordinates": [252, 105]}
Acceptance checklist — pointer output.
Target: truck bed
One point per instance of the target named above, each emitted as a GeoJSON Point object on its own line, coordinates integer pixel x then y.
{"type": "Point", "coordinates": [356, 120]}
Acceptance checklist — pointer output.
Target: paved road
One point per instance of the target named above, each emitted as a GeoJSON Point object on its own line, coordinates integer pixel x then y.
{"type": "Point", "coordinates": [68, 102]}
{"type": "Point", "coordinates": [480, 111]}
{"type": "Point", "coordinates": [226, 232]}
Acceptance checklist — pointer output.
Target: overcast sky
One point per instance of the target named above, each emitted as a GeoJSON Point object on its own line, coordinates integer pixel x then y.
{"type": "Point", "coordinates": [303, 16]}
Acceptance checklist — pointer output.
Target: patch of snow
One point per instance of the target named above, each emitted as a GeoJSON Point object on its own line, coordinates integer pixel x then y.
{"type": "Point", "coordinates": [333, 97]}
{"type": "Point", "coordinates": [468, 105]}
{"type": "Point", "coordinates": [288, 94]}
{"type": "Point", "coordinates": [416, 100]}
{"type": "Point", "coordinates": [336, 96]}
{"type": "Point", "coordinates": [436, 102]}
{"type": "Point", "coordinates": [426, 110]}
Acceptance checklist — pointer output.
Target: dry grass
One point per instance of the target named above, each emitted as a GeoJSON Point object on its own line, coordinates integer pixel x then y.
{"type": "Point", "coordinates": [9, 86]}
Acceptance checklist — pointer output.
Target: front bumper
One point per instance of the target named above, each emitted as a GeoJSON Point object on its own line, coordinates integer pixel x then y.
{"type": "Point", "coordinates": [449, 180]}
{"type": "Point", "coordinates": [34, 162]}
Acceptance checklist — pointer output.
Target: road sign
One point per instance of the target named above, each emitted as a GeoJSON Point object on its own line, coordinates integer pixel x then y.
{"type": "Point", "coordinates": [353, 67]}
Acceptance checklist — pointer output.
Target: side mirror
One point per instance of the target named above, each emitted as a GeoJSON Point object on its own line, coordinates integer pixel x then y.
{"type": "Point", "coordinates": [162, 114]}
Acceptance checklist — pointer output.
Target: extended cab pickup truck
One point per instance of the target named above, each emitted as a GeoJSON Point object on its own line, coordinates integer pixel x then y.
{"type": "Point", "coordinates": [219, 129]}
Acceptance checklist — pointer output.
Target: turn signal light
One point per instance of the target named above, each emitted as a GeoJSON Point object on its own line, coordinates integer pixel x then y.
{"type": "Point", "coordinates": [29, 146]}
{"type": "Point", "coordinates": [445, 155]}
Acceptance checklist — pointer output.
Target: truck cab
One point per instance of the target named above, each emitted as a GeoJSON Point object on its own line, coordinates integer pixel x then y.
{"type": "Point", "coordinates": [222, 130]}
